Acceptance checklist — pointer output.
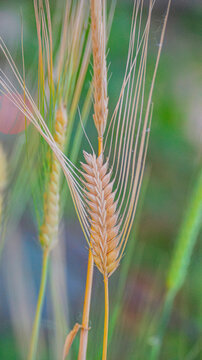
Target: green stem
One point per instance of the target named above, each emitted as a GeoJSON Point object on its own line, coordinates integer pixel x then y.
{"type": "Point", "coordinates": [37, 320]}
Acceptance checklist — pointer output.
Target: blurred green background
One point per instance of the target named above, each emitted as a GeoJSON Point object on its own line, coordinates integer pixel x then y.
{"type": "Point", "coordinates": [173, 162]}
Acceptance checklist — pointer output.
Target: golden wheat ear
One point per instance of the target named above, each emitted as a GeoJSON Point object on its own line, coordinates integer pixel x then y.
{"type": "Point", "coordinates": [102, 211]}
{"type": "Point", "coordinates": [111, 196]}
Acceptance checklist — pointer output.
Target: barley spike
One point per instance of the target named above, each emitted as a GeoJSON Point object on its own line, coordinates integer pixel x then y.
{"type": "Point", "coordinates": [103, 214]}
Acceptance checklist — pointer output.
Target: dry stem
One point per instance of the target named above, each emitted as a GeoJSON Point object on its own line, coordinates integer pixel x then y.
{"type": "Point", "coordinates": [106, 320]}
{"type": "Point", "coordinates": [86, 309]}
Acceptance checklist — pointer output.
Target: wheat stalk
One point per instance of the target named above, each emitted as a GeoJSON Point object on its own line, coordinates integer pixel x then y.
{"type": "Point", "coordinates": [98, 30]}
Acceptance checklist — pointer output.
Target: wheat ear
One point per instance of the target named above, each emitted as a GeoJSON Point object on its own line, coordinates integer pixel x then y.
{"type": "Point", "coordinates": [3, 179]}
{"type": "Point", "coordinates": [103, 213]}
{"type": "Point", "coordinates": [49, 229]}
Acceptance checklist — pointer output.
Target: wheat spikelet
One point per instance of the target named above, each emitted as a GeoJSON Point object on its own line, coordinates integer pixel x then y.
{"type": "Point", "coordinates": [49, 228]}
{"type": "Point", "coordinates": [103, 213]}
{"type": "Point", "coordinates": [3, 178]}
{"type": "Point", "coordinates": [99, 67]}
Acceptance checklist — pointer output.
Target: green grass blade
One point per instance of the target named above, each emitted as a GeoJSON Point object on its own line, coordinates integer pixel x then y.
{"type": "Point", "coordinates": [180, 261]}
{"type": "Point", "coordinates": [186, 239]}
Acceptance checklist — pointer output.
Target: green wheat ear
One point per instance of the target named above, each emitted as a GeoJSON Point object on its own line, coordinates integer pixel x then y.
{"type": "Point", "coordinates": [49, 229]}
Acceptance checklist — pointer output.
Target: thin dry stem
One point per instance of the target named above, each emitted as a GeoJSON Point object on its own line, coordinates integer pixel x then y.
{"type": "Point", "coordinates": [86, 309]}
{"type": "Point", "coordinates": [106, 319]}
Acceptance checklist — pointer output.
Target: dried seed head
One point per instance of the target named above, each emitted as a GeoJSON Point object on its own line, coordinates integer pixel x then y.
{"type": "Point", "coordinates": [99, 67]}
{"type": "Point", "coordinates": [103, 213]}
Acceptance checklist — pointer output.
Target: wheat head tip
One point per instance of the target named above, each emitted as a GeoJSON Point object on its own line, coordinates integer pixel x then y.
{"type": "Point", "coordinates": [99, 67]}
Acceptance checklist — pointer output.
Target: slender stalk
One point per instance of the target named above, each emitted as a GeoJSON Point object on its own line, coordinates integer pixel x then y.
{"type": "Point", "coordinates": [100, 117]}
{"type": "Point", "coordinates": [106, 320]}
{"type": "Point", "coordinates": [35, 329]}
{"type": "Point", "coordinates": [88, 290]}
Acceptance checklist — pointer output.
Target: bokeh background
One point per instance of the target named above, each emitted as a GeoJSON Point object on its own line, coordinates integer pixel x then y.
{"type": "Point", "coordinates": [173, 162]}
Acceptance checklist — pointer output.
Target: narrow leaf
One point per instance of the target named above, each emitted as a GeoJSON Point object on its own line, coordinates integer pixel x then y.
{"type": "Point", "coordinates": [69, 340]}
